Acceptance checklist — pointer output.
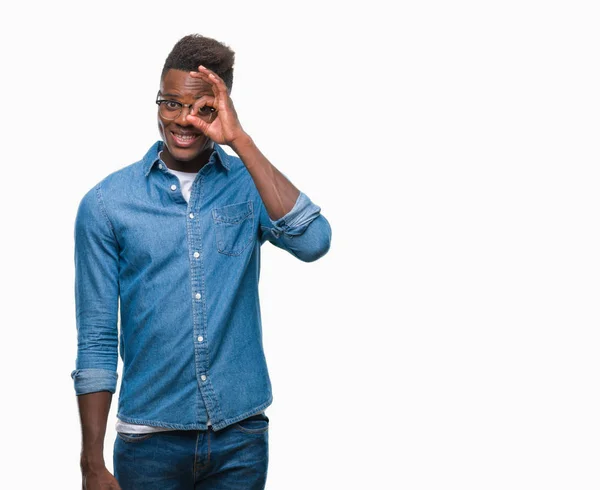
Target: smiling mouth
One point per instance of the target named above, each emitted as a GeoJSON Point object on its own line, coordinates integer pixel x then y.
{"type": "Point", "coordinates": [184, 139]}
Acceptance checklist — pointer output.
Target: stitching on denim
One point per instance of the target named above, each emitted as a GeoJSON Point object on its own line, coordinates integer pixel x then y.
{"type": "Point", "coordinates": [262, 229]}
{"type": "Point", "coordinates": [221, 244]}
{"type": "Point", "coordinates": [262, 208]}
{"type": "Point", "coordinates": [105, 213]}
{"type": "Point", "coordinates": [204, 331]}
{"type": "Point", "coordinates": [197, 328]}
{"type": "Point", "coordinates": [252, 431]}
{"type": "Point", "coordinates": [247, 414]}
{"type": "Point", "coordinates": [143, 437]}
{"type": "Point", "coordinates": [209, 388]}
{"type": "Point", "coordinates": [148, 161]}
{"type": "Point", "coordinates": [216, 426]}
{"type": "Point", "coordinates": [226, 159]}
{"type": "Point", "coordinates": [156, 423]}
{"type": "Point", "coordinates": [234, 219]}
{"type": "Point", "coordinates": [196, 453]}
{"type": "Point", "coordinates": [208, 444]}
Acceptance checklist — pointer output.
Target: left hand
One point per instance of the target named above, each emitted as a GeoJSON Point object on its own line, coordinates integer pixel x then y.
{"type": "Point", "coordinates": [225, 128]}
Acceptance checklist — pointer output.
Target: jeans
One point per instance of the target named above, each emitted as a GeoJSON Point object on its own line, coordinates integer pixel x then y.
{"type": "Point", "coordinates": [232, 458]}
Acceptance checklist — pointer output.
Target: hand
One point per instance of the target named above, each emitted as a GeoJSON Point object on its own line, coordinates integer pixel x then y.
{"type": "Point", "coordinates": [101, 480]}
{"type": "Point", "coordinates": [225, 128]}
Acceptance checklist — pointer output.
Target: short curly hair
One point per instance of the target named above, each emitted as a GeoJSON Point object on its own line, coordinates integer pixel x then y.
{"type": "Point", "coordinates": [194, 50]}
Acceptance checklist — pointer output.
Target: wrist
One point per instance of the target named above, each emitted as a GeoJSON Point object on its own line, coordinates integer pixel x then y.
{"type": "Point", "coordinates": [92, 463]}
{"type": "Point", "coordinates": [240, 142]}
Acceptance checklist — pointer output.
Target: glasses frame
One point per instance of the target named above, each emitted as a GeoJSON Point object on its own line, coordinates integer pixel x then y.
{"type": "Point", "coordinates": [181, 106]}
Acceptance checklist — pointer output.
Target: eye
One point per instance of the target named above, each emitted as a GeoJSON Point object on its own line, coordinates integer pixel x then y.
{"type": "Point", "coordinates": [206, 109]}
{"type": "Point", "coordinates": [171, 105]}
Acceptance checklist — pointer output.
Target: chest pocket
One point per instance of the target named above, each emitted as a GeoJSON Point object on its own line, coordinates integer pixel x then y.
{"type": "Point", "coordinates": [234, 225]}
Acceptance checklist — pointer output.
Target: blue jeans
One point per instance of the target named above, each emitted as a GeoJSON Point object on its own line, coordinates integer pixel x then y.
{"type": "Point", "coordinates": [235, 457]}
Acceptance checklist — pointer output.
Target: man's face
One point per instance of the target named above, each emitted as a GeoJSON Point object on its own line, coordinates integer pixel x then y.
{"type": "Point", "coordinates": [182, 140]}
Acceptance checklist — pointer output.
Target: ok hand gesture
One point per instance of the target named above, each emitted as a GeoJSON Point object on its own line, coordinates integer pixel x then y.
{"type": "Point", "coordinates": [223, 127]}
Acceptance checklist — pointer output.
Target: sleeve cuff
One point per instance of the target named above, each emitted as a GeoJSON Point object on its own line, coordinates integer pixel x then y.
{"type": "Point", "coordinates": [298, 218]}
{"type": "Point", "coordinates": [92, 380]}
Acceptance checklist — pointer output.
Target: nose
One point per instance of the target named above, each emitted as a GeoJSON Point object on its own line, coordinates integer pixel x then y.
{"type": "Point", "coordinates": [181, 119]}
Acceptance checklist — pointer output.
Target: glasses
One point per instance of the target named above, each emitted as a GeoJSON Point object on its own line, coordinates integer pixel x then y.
{"type": "Point", "coordinates": [171, 109]}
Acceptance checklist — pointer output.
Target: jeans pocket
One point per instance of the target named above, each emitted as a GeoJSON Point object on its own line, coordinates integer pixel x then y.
{"type": "Point", "coordinates": [256, 424]}
{"type": "Point", "coordinates": [129, 437]}
{"type": "Point", "coordinates": [234, 225]}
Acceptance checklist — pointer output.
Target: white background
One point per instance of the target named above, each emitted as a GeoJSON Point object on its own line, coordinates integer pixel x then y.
{"type": "Point", "coordinates": [450, 337]}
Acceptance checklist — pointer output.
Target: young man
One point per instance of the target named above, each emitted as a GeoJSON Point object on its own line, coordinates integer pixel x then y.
{"type": "Point", "coordinates": [176, 237]}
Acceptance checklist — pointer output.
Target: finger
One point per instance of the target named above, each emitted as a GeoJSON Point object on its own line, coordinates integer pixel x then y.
{"type": "Point", "coordinates": [198, 123]}
{"type": "Point", "coordinates": [205, 78]}
{"type": "Point", "coordinates": [212, 78]}
{"type": "Point", "coordinates": [207, 71]}
{"type": "Point", "coordinates": [204, 73]}
{"type": "Point", "coordinates": [205, 100]}
{"type": "Point", "coordinates": [218, 81]}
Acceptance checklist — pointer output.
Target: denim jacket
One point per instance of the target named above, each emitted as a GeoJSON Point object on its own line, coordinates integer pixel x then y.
{"type": "Point", "coordinates": [185, 278]}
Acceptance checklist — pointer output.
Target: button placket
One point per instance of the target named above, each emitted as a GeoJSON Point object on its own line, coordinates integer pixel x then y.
{"type": "Point", "coordinates": [201, 362]}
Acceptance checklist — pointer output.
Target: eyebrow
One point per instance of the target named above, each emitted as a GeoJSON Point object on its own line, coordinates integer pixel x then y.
{"type": "Point", "coordinates": [177, 96]}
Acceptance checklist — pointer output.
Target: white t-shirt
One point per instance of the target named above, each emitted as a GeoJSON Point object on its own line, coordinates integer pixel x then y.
{"type": "Point", "coordinates": [185, 179]}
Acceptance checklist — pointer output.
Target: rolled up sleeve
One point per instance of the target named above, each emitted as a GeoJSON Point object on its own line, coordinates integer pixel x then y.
{"type": "Point", "coordinates": [96, 297]}
{"type": "Point", "coordinates": [303, 231]}
{"type": "Point", "coordinates": [92, 380]}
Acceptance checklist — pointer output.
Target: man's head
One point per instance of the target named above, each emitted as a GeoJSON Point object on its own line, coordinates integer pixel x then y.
{"type": "Point", "coordinates": [183, 142]}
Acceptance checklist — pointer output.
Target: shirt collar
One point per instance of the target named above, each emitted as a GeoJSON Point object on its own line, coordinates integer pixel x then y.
{"type": "Point", "coordinates": [151, 157]}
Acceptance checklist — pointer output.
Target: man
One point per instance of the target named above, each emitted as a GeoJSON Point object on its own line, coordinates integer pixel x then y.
{"type": "Point", "coordinates": [176, 238]}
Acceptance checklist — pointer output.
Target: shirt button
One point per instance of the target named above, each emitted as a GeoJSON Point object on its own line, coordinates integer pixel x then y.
{"type": "Point", "coordinates": [191, 215]}
{"type": "Point", "coordinates": [198, 296]}
{"type": "Point", "coordinates": [160, 165]}
{"type": "Point", "coordinates": [173, 187]}
{"type": "Point", "coordinates": [200, 339]}
{"type": "Point", "coordinates": [203, 378]}
{"type": "Point", "coordinates": [196, 254]}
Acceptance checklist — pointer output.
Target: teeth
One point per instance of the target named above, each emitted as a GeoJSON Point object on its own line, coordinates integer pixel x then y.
{"type": "Point", "coordinates": [187, 137]}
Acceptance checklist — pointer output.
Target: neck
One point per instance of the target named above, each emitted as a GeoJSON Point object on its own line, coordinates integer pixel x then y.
{"type": "Point", "coordinates": [190, 165]}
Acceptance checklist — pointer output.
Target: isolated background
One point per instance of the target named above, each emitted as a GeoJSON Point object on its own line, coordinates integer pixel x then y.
{"type": "Point", "coordinates": [450, 337]}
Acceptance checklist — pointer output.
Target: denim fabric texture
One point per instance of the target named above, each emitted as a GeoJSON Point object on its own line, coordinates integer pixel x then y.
{"type": "Point", "coordinates": [185, 279]}
{"type": "Point", "coordinates": [236, 457]}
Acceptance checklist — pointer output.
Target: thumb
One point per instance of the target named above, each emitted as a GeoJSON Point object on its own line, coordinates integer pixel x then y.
{"type": "Point", "coordinates": [198, 123]}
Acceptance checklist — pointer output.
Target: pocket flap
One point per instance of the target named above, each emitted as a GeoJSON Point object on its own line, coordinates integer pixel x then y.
{"type": "Point", "coordinates": [233, 213]}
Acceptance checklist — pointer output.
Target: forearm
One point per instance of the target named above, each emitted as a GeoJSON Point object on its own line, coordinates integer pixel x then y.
{"type": "Point", "coordinates": [93, 414]}
{"type": "Point", "coordinates": [277, 193]}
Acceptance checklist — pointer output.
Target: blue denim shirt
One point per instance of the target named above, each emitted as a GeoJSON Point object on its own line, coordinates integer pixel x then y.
{"type": "Point", "coordinates": [186, 275]}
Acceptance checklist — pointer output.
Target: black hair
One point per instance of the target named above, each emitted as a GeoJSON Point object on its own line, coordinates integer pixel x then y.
{"type": "Point", "coordinates": [194, 50]}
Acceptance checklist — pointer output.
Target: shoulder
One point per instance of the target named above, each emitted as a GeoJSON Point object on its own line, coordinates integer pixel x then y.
{"type": "Point", "coordinates": [125, 178]}
{"type": "Point", "coordinates": [112, 184]}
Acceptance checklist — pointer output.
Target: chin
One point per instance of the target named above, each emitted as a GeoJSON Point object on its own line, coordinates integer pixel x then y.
{"type": "Point", "coordinates": [183, 155]}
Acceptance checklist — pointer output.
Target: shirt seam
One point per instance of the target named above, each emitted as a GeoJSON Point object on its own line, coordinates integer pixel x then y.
{"type": "Point", "coordinates": [196, 426]}
{"type": "Point", "coordinates": [105, 213]}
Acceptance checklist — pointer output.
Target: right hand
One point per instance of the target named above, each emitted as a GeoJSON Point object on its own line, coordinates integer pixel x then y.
{"type": "Point", "coordinates": [99, 480]}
